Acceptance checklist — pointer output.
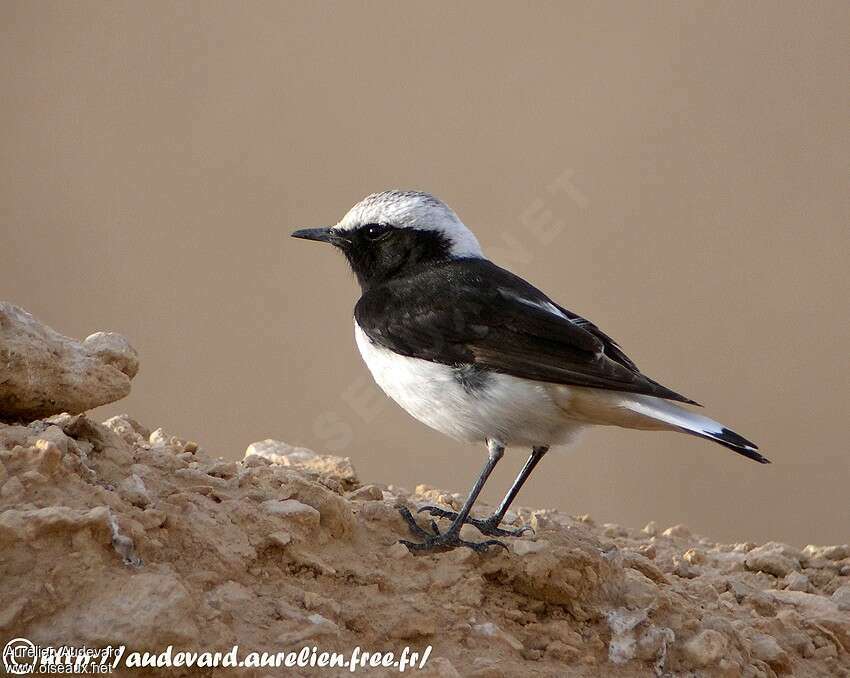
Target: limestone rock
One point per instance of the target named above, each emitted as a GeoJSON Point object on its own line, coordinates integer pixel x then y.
{"type": "Point", "coordinates": [43, 372]}
{"type": "Point", "coordinates": [651, 528]}
{"type": "Point", "coordinates": [765, 648]}
{"type": "Point", "coordinates": [524, 546]}
{"type": "Point", "coordinates": [796, 581]}
{"type": "Point", "coordinates": [300, 515]}
{"type": "Point", "coordinates": [706, 648]}
{"type": "Point", "coordinates": [491, 630]}
{"type": "Point", "coordinates": [133, 489]}
{"type": "Point", "coordinates": [838, 552]}
{"type": "Point", "coordinates": [367, 493]}
{"type": "Point", "coordinates": [278, 452]}
{"type": "Point", "coordinates": [774, 558]}
{"type": "Point", "coordinates": [149, 611]}
{"type": "Point", "coordinates": [623, 645]}
{"type": "Point", "coordinates": [841, 596]}
{"type": "Point", "coordinates": [640, 591]}
{"type": "Point", "coordinates": [113, 534]}
{"type": "Point", "coordinates": [677, 532]}
{"type": "Point", "coordinates": [127, 428]}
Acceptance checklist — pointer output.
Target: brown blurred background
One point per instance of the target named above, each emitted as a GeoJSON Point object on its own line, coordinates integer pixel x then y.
{"type": "Point", "coordinates": [678, 172]}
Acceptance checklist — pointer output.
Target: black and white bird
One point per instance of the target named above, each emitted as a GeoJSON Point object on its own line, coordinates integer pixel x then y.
{"type": "Point", "coordinates": [481, 355]}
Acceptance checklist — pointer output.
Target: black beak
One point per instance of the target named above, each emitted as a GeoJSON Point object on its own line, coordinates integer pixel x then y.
{"type": "Point", "coordinates": [320, 234]}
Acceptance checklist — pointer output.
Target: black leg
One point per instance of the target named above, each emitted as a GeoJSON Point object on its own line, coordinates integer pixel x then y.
{"type": "Point", "coordinates": [490, 526]}
{"type": "Point", "coordinates": [451, 538]}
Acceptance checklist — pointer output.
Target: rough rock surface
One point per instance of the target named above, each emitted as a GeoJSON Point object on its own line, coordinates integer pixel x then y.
{"type": "Point", "coordinates": [44, 373]}
{"type": "Point", "coordinates": [113, 534]}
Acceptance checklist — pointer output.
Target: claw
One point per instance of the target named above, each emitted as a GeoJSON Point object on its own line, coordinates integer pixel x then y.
{"type": "Point", "coordinates": [447, 542]}
{"type": "Point", "coordinates": [488, 526]}
{"type": "Point", "coordinates": [496, 542]}
{"type": "Point", "coordinates": [437, 542]}
{"type": "Point", "coordinates": [412, 524]}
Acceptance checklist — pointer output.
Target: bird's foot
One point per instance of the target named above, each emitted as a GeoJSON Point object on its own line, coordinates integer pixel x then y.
{"type": "Point", "coordinates": [487, 526]}
{"type": "Point", "coordinates": [436, 542]}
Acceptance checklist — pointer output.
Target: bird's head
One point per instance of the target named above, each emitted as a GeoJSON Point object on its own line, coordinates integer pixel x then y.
{"type": "Point", "coordinates": [387, 233]}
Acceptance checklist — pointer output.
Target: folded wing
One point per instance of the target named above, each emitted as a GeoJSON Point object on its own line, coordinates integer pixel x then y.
{"type": "Point", "coordinates": [473, 312]}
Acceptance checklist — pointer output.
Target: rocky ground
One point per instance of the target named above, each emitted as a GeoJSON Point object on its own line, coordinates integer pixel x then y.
{"type": "Point", "coordinates": [113, 534]}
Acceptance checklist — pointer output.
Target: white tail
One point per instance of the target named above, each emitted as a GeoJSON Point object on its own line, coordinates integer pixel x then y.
{"type": "Point", "coordinates": [690, 422]}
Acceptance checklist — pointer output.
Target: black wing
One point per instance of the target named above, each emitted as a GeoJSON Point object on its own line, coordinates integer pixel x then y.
{"type": "Point", "coordinates": [612, 348]}
{"type": "Point", "coordinates": [471, 311]}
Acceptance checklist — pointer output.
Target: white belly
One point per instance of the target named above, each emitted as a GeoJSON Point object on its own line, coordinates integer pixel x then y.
{"type": "Point", "coordinates": [513, 410]}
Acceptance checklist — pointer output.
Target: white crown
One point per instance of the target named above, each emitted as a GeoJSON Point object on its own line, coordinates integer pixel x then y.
{"type": "Point", "coordinates": [416, 210]}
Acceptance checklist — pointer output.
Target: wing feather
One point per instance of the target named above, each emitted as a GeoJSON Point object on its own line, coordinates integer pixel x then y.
{"type": "Point", "coordinates": [480, 314]}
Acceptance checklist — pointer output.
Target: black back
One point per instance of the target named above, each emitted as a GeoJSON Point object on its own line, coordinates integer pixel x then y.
{"type": "Point", "coordinates": [457, 312]}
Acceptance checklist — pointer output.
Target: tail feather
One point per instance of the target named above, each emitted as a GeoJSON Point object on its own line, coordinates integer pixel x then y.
{"type": "Point", "coordinates": [694, 424]}
{"type": "Point", "coordinates": [733, 441]}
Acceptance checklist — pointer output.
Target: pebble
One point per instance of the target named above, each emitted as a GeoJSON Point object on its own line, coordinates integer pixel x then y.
{"type": "Point", "coordinates": [773, 558]}
{"type": "Point", "coordinates": [744, 547]}
{"type": "Point", "coordinates": [48, 455]}
{"type": "Point", "coordinates": [470, 533]}
{"type": "Point", "coordinates": [283, 454]}
{"type": "Point", "coordinates": [796, 581]}
{"type": "Point", "coordinates": [522, 547]}
{"type": "Point", "coordinates": [379, 511]}
{"type": "Point", "coordinates": [541, 521]}
{"type": "Point", "coordinates": [294, 510]}
{"type": "Point", "coordinates": [254, 460]}
{"type": "Point", "coordinates": [706, 648]}
{"type": "Point", "coordinates": [152, 518]}
{"type": "Point", "coordinates": [367, 493]}
{"type": "Point", "coordinates": [12, 489]}
{"type": "Point", "coordinates": [490, 630]}
{"type": "Point", "coordinates": [694, 556]}
{"type": "Point", "coordinates": [841, 595]}
{"type": "Point", "coordinates": [682, 568]}
{"type": "Point", "coordinates": [223, 469]}
{"type": "Point", "coordinates": [838, 552]}
{"type": "Point", "coordinates": [413, 626]}
{"type": "Point", "coordinates": [133, 489]}
{"type": "Point", "coordinates": [765, 648]}
{"type": "Point", "coordinates": [463, 556]}
{"type": "Point", "coordinates": [639, 590]}
{"type": "Point", "coordinates": [562, 652]}
{"type": "Point", "coordinates": [563, 631]}
{"type": "Point", "coordinates": [677, 532]}
{"type": "Point", "coordinates": [614, 530]}
{"type": "Point", "coordinates": [645, 566]}
{"type": "Point", "coordinates": [647, 551]}
{"type": "Point", "coordinates": [651, 528]}
{"type": "Point", "coordinates": [280, 538]}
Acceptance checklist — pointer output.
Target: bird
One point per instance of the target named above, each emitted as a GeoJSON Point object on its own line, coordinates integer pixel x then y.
{"type": "Point", "coordinates": [483, 356]}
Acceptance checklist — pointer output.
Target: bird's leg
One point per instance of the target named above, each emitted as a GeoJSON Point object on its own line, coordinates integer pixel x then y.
{"type": "Point", "coordinates": [490, 525]}
{"type": "Point", "coordinates": [451, 538]}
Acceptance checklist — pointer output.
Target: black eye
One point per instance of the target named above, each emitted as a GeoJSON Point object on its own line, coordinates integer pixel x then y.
{"type": "Point", "coordinates": [375, 231]}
